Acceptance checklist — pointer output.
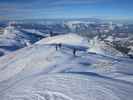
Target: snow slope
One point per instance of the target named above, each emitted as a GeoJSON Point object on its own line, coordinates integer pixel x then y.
{"type": "Point", "coordinates": [110, 38]}
{"type": "Point", "coordinates": [69, 39]}
{"type": "Point", "coordinates": [13, 39]}
{"type": "Point", "coordinates": [101, 47]}
{"type": "Point", "coordinates": [131, 50]}
{"type": "Point", "coordinates": [39, 72]}
{"type": "Point", "coordinates": [68, 87]}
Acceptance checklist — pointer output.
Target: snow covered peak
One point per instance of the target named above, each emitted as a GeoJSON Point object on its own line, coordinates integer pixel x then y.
{"type": "Point", "coordinates": [110, 38]}
{"type": "Point", "coordinates": [9, 30]}
{"type": "Point", "coordinates": [131, 50]}
{"type": "Point", "coordinates": [69, 39]}
{"type": "Point", "coordinates": [71, 23]}
{"type": "Point", "coordinates": [14, 39]}
{"type": "Point", "coordinates": [102, 47]}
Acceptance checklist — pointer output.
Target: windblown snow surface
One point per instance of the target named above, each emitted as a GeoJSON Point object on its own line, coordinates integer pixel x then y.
{"type": "Point", "coordinates": [40, 72]}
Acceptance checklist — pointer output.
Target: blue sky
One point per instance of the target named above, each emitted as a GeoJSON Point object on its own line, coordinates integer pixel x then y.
{"type": "Point", "coordinates": [29, 9]}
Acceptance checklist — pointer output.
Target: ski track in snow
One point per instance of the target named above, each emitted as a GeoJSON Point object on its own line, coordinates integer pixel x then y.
{"type": "Point", "coordinates": [69, 87]}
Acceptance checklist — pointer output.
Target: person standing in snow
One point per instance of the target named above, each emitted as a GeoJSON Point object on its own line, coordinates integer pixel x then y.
{"type": "Point", "coordinates": [56, 46]}
{"type": "Point", "coordinates": [74, 52]}
{"type": "Point", "coordinates": [51, 33]}
{"type": "Point", "coordinates": [60, 45]}
{"type": "Point", "coordinates": [130, 56]}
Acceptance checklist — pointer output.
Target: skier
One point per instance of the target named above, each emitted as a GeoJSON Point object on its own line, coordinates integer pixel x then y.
{"type": "Point", "coordinates": [56, 45]}
{"type": "Point", "coordinates": [60, 45]}
{"type": "Point", "coordinates": [74, 52]}
{"type": "Point", "coordinates": [51, 33]}
{"type": "Point", "coordinates": [130, 56]}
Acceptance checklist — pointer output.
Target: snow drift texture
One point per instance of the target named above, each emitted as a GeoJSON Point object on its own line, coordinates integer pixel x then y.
{"type": "Point", "coordinates": [40, 72]}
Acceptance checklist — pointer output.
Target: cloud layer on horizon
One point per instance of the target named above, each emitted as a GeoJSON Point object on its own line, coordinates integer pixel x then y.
{"type": "Point", "coordinates": [47, 8]}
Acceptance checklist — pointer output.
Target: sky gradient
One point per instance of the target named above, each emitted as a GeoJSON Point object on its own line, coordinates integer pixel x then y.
{"type": "Point", "coordinates": [34, 9]}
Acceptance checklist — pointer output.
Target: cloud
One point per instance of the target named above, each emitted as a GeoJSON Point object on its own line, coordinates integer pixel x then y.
{"type": "Point", "coordinates": [16, 1]}
{"type": "Point", "coordinates": [6, 7]}
{"type": "Point", "coordinates": [13, 5]}
{"type": "Point", "coordinates": [25, 8]}
{"type": "Point", "coordinates": [4, 18]}
{"type": "Point", "coordinates": [75, 2]}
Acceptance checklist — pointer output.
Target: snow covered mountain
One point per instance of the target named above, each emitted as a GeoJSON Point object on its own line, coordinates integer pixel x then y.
{"type": "Point", "coordinates": [68, 39]}
{"type": "Point", "coordinates": [101, 47]}
{"type": "Point", "coordinates": [42, 72]}
{"type": "Point", "coordinates": [131, 50]}
{"type": "Point", "coordinates": [13, 39]}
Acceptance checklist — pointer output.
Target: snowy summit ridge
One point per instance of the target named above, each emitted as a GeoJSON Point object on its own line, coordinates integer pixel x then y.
{"type": "Point", "coordinates": [42, 72]}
